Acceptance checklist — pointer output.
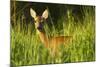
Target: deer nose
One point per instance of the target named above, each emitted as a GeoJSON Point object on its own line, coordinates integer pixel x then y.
{"type": "Point", "coordinates": [40, 27]}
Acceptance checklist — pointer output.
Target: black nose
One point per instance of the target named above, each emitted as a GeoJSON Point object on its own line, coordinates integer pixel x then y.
{"type": "Point", "coordinates": [40, 27]}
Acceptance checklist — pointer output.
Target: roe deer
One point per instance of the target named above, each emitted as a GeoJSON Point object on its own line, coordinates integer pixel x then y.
{"type": "Point", "coordinates": [52, 42]}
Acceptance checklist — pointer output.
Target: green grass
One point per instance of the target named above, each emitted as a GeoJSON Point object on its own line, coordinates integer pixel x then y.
{"type": "Point", "coordinates": [27, 49]}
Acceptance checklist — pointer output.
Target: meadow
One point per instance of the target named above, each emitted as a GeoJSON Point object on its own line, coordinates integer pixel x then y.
{"type": "Point", "coordinates": [27, 49]}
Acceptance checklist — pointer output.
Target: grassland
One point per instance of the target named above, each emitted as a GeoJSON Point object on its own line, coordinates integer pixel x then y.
{"type": "Point", "coordinates": [27, 49]}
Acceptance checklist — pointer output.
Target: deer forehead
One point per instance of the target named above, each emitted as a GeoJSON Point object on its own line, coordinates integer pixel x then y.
{"type": "Point", "coordinates": [38, 19]}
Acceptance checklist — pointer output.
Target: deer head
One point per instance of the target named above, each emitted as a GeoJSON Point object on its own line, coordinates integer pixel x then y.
{"type": "Point", "coordinates": [39, 19]}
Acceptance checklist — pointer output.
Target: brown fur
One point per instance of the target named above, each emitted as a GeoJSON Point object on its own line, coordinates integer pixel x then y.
{"type": "Point", "coordinates": [54, 42]}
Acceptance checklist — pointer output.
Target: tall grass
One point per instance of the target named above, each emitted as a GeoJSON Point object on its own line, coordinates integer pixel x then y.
{"type": "Point", "coordinates": [27, 49]}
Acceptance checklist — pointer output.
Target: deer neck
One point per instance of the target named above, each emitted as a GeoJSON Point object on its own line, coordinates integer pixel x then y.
{"type": "Point", "coordinates": [43, 38]}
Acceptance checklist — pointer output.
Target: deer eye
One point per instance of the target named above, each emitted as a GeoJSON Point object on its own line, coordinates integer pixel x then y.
{"type": "Point", "coordinates": [34, 21]}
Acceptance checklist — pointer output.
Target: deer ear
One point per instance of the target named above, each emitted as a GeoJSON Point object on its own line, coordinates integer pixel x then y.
{"type": "Point", "coordinates": [33, 13]}
{"type": "Point", "coordinates": [45, 14]}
